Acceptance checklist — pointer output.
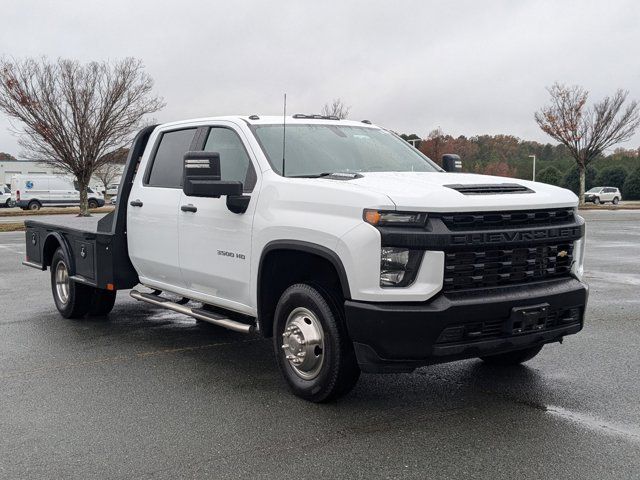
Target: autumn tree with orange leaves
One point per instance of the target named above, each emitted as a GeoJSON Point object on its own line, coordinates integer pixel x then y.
{"type": "Point", "coordinates": [587, 131]}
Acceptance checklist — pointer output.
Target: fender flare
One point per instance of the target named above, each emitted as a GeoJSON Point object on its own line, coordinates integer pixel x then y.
{"type": "Point", "coordinates": [65, 248]}
{"type": "Point", "coordinates": [307, 247]}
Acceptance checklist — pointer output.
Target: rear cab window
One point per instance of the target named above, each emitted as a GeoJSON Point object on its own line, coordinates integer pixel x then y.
{"type": "Point", "coordinates": [166, 166]}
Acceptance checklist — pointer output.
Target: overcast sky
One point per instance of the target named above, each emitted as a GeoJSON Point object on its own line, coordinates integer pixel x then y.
{"type": "Point", "coordinates": [469, 67]}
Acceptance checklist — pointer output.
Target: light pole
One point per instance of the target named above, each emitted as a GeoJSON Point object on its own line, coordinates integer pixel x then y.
{"type": "Point", "coordinates": [534, 166]}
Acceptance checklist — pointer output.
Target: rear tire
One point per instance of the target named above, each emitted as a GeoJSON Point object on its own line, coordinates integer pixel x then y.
{"type": "Point", "coordinates": [72, 299]}
{"type": "Point", "coordinates": [34, 205]}
{"type": "Point", "coordinates": [615, 200]}
{"type": "Point", "coordinates": [512, 358]}
{"type": "Point", "coordinates": [102, 302]}
{"type": "Point", "coordinates": [309, 321]}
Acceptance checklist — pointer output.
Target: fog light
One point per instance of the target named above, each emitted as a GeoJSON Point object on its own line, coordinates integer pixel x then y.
{"type": "Point", "coordinates": [391, 278]}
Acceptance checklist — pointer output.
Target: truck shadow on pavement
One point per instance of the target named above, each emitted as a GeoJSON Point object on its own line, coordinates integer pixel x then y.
{"type": "Point", "coordinates": [223, 361]}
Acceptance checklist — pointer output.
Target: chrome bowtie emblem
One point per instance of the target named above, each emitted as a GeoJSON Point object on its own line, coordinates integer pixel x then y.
{"type": "Point", "coordinates": [562, 253]}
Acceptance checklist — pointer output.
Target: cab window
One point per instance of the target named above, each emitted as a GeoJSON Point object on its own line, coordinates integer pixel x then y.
{"type": "Point", "coordinates": [235, 164]}
{"type": "Point", "coordinates": [167, 163]}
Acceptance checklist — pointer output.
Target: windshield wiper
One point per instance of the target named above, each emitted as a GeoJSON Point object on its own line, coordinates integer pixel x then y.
{"type": "Point", "coordinates": [313, 175]}
{"type": "Point", "coordinates": [333, 175]}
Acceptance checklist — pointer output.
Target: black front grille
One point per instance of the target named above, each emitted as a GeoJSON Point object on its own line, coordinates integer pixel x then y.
{"type": "Point", "coordinates": [513, 219]}
{"type": "Point", "coordinates": [491, 267]}
{"type": "Point", "coordinates": [490, 189]}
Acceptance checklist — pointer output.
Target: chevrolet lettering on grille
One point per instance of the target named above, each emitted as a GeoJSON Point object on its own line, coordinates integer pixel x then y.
{"type": "Point", "coordinates": [516, 236]}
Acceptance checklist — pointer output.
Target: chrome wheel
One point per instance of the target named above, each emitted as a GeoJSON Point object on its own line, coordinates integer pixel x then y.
{"type": "Point", "coordinates": [62, 283]}
{"type": "Point", "coordinates": [303, 343]}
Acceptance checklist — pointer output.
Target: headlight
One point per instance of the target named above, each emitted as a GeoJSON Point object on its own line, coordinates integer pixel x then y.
{"type": "Point", "coordinates": [392, 218]}
{"type": "Point", "coordinates": [398, 266]}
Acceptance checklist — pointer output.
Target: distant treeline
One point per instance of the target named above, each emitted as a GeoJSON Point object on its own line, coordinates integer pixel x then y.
{"type": "Point", "coordinates": [509, 156]}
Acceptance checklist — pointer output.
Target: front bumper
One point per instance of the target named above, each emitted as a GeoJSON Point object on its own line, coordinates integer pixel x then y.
{"type": "Point", "coordinates": [399, 337]}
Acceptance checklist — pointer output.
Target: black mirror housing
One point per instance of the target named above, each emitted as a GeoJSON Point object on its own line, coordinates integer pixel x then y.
{"type": "Point", "coordinates": [451, 163]}
{"type": "Point", "coordinates": [201, 176]}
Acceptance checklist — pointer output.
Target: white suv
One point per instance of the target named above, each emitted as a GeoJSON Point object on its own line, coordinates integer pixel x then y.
{"type": "Point", "coordinates": [603, 194]}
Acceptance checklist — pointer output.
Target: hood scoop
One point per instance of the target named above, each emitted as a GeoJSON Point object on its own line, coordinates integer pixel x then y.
{"type": "Point", "coordinates": [489, 188]}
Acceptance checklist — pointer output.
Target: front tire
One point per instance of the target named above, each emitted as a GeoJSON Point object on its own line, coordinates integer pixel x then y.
{"type": "Point", "coordinates": [313, 350]}
{"type": "Point", "coordinates": [615, 200]}
{"type": "Point", "coordinates": [600, 201]}
{"type": "Point", "coordinates": [512, 358]}
{"type": "Point", "coordinates": [72, 299]}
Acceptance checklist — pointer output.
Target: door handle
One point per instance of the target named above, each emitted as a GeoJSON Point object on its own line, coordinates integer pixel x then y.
{"type": "Point", "coordinates": [189, 208]}
{"type": "Point", "coordinates": [135, 203]}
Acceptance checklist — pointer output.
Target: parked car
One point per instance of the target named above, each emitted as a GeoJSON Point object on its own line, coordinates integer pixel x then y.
{"type": "Point", "coordinates": [112, 189]}
{"type": "Point", "coordinates": [603, 194]}
{"type": "Point", "coordinates": [5, 197]}
{"type": "Point", "coordinates": [32, 192]}
{"type": "Point", "coordinates": [353, 252]}
{"type": "Point", "coordinates": [114, 200]}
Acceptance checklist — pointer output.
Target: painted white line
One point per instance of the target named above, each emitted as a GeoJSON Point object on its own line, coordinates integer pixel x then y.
{"type": "Point", "coordinates": [622, 278]}
{"type": "Point", "coordinates": [629, 432]}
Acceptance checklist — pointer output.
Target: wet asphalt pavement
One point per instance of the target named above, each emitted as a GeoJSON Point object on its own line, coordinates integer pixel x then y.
{"type": "Point", "coordinates": [151, 394]}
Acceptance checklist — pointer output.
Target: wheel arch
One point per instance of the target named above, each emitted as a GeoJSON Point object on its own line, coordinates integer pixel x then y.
{"type": "Point", "coordinates": [317, 254]}
{"type": "Point", "coordinates": [51, 244]}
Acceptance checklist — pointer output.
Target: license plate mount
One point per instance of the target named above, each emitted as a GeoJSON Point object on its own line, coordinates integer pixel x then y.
{"type": "Point", "coordinates": [528, 319]}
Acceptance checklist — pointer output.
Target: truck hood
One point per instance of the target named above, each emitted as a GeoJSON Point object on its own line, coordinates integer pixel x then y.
{"type": "Point", "coordinates": [427, 191]}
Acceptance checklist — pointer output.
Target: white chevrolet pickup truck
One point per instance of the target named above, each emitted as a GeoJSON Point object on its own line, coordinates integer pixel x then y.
{"type": "Point", "coordinates": [347, 246]}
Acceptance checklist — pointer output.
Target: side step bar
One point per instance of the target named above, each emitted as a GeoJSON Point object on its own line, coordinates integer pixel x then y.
{"type": "Point", "coordinates": [193, 312]}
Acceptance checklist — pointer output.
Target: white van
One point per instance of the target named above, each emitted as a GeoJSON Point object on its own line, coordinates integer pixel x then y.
{"type": "Point", "coordinates": [32, 192]}
{"type": "Point", "coordinates": [5, 197]}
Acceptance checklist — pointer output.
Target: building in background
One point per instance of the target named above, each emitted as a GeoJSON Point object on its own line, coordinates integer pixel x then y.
{"type": "Point", "coordinates": [9, 168]}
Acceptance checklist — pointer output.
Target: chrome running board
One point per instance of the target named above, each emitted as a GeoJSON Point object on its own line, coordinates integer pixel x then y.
{"type": "Point", "coordinates": [197, 313]}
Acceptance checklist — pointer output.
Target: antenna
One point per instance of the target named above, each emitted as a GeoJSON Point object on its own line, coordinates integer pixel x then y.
{"type": "Point", "coordinates": [284, 131]}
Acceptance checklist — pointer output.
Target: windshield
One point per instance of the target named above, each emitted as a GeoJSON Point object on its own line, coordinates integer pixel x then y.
{"type": "Point", "coordinates": [312, 150]}
{"type": "Point", "coordinates": [594, 190]}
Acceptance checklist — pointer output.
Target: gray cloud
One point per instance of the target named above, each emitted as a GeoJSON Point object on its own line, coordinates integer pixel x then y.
{"type": "Point", "coordinates": [469, 67]}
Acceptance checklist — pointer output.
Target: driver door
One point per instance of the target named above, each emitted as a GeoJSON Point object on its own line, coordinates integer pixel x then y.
{"type": "Point", "coordinates": [215, 243]}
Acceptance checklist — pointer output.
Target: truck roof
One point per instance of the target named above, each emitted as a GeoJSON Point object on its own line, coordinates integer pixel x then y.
{"type": "Point", "coordinates": [300, 119]}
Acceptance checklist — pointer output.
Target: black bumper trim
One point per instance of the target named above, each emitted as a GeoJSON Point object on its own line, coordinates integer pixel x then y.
{"type": "Point", "coordinates": [399, 337]}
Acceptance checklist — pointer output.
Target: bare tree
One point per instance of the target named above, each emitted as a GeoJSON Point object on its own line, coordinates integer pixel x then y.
{"type": "Point", "coordinates": [107, 173]}
{"type": "Point", "coordinates": [72, 114]}
{"type": "Point", "coordinates": [337, 108]}
{"type": "Point", "coordinates": [587, 131]}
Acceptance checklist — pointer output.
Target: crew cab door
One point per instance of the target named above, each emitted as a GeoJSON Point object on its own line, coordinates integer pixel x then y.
{"type": "Point", "coordinates": [153, 210]}
{"type": "Point", "coordinates": [215, 243]}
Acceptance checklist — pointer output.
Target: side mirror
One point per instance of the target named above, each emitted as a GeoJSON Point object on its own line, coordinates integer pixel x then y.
{"type": "Point", "coordinates": [451, 163]}
{"type": "Point", "coordinates": [201, 177]}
